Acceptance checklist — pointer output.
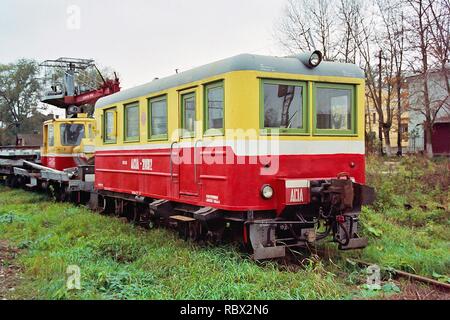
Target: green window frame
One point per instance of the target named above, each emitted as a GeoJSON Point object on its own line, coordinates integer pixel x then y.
{"type": "Point", "coordinates": [126, 109]}
{"type": "Point", "coordinates": [206, 109]}
{"type": "Point", "coordinates": [112, 138]}
{"type": "Point", "coordinates": [305, 109]}
{"type": "Point", "coordinates": [353, 112]}
{"type": "Point", "coordinates": [150, 103]}
{"type": "Point", "coordinates": [184, 97]}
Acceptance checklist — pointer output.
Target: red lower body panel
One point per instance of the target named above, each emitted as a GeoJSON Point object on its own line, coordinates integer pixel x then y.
{"type": "Point", "coordinates": [218, 179]}
{"type": "Point", "coordinates": [58, 162]}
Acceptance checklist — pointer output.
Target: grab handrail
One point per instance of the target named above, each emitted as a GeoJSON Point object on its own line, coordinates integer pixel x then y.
{"type": "Point", "coordinates": [195, 160]}
{"type": "Point", "coordinates": [171, 162]}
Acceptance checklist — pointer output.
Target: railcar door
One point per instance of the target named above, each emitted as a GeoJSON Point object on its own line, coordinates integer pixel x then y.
{"type": "Point", "coordinates": [188, 168]}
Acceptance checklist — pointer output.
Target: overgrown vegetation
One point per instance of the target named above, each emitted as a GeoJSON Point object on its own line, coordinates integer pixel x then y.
{"type": "Point", "coordinates": [408, 229]}
{"type": "Point", "coordinates": [120, 261]}
{"type": "Point", "coordinates": [408, 226]}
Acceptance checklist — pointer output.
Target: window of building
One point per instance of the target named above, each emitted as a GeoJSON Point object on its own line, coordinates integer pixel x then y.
{"type": "Point", "coordinates": [374, 118]}
{"type": "Point", "coordinates": [334, 109]}
{"type": "Point", "coordinates": [284, 105]}
{"type": "Point", "coordinates": [109, 125]}
{"type": "Point", "coordinates": [132, 122]}
{"type": "Point", "coordinates": [404, 131]}
{"type": "Point", "coordinates": [188, 114]}
{"type": "Point", "coordinates": [404, 128]}
{"type": "Point", "coordinates": [157, 110]}
{"type": "Point", "coordinates": [71, 134]}
{"type": "Point", "coordinates": [214, 102]}
{"type": "Point", "coordinates": [50, 135]}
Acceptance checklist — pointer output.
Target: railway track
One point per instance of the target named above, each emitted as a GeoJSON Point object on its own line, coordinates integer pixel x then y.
{"type": "Point", "coordinates": [409, 276]}
{"type": "Point", "coordinates": [397, 274]}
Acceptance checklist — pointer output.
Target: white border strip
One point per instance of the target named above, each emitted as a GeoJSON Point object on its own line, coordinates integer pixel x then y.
{"type": "Point", "coordinates": [63, 155]}
{"type": "Point", "coordinates": [260, 147]}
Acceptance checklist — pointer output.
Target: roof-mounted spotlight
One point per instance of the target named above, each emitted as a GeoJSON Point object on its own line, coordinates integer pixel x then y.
{"type": "Point", "coordinates": [315, 59]}
{"type": "Point", "coordinates": [311, 60]}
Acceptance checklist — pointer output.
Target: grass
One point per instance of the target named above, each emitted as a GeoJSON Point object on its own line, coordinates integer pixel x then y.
{"type": "Point", "coordinates": [408, 229]}
{"type": "Point", "coordinates": [408, 226]}
{"type": "Point", "coordinates": [120, 261]}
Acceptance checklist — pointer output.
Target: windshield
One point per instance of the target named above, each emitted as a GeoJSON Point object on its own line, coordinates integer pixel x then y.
{"type": "Point", "coordinates": [71, 134]}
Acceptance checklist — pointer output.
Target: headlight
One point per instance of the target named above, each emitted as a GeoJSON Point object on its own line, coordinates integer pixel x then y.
{"type": "Point", "coordinates": [267, 192]}
{"type": "Point", "coordinates": [315, 59]}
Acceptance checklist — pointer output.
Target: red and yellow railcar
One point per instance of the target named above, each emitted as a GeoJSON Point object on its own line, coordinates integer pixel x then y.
{"type": "Point", "coordinates": [266, 149]}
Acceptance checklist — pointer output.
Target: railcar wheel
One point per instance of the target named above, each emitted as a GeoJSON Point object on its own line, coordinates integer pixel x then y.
{"type": "Point", "coordinates": [52, 191]}
{"type": "Point", "coordinates": [194, 230]}
{"type": "Point", "coordinates": [63, 194]}
{"type": "Point", "coordinates": [9, 181]}
{"type": "Point", "coordinates": [13, 181]}
{"type": "Point", "coordinates": [154, 223]}
{"type": "Point", "coordinates": [108, 205]}
{"type": "Point", "coordinates": [134, 214]}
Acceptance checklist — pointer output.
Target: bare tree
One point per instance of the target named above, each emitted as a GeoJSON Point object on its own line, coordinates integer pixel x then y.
{"type": "Point", "coordinates": [307, 24]}
{"type": "Point", "coordinates": [438, 17]}
{"type": "Point", "coordinates": [349, 11]}
{"type": "Point", "coordinates": [347, 33]}
{"type": "Point", "coordinates": [368, 40]}
{"type": "Point", "coordinates": [384, 38]}
{"type": "Point", "coordinates": [394, 43]}
{"type": "Point", "coordinates": [427, 21]}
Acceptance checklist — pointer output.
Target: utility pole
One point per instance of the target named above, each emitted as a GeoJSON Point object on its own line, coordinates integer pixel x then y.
{"type": "Point", "coordinates": [380, 101]}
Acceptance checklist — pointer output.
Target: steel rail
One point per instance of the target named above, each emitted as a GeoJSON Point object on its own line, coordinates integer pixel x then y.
{"type": "Point", "coordinates": [410, 276]}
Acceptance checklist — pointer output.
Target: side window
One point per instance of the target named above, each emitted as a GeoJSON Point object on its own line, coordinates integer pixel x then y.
{"type": "Point", "coordinates": [109, 125]}
{"type": "Point", "coordinates": [334, 109]}
{"type": "Point", "coordinates": [132, 122]}
{"type": "Point", "coordinates": [157, 111]}
{"type": "Point", "coordinates": [284, 106]}
{"type": "Point", "coordinates": [188, 114]}
{"type": "Point", "coordinates": [214, 102]}
{"type": "Point", "coordinates": [50, 136]}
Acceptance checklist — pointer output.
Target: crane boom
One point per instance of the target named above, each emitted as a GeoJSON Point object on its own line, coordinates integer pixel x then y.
{"type": "Point", "coordinates": [74, 83]}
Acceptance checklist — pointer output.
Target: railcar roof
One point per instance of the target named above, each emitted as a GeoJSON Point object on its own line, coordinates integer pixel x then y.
{"type": "Point", "coordinates": [237, 63]}
{"type": "Point", "coordinates": [69, 120]}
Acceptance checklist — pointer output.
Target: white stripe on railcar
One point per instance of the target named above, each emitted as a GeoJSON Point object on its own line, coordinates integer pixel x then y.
{"type": "Point", "coordinates": [260, 147]}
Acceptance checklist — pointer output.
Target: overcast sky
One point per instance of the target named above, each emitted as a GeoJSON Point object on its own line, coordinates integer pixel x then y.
{"type": "Point", "coordinates": [140, 39]}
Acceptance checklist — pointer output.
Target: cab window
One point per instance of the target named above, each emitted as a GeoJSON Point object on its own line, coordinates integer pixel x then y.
{"type": "Point", "coordinates": [284, 106]}
{"type": "Point", "coordinates": [50, 135]}
{"type": "Point", "coordinates": [71, 134]}
{"type": "Point", "coordinates": [334, 109]}
{"type": "Point", "coordinates": [109, 125]}
{"type": "Point", "coordinates": [132, 122]}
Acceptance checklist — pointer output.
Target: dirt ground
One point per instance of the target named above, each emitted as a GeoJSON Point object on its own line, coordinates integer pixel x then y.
{"type": "Point", "coordinates": [417, 291]}
{"type": "Point", "coordinates": [9, 272]}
